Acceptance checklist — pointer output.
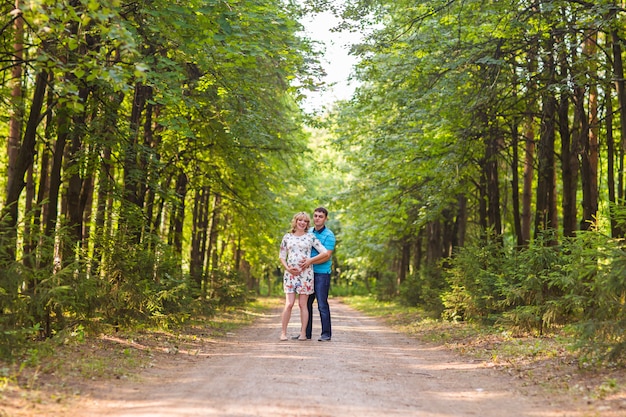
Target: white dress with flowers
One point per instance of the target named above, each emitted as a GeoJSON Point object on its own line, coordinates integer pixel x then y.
{"type": "Point", "coordinates": [294, 249]}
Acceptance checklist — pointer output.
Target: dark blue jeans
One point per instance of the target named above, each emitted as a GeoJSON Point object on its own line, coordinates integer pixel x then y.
{"type": "Point", "coordinates": [322, 287]}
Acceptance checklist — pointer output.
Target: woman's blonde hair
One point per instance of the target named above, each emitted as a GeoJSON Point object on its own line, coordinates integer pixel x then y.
{"type": "Point", "coordinates": [297, 217]}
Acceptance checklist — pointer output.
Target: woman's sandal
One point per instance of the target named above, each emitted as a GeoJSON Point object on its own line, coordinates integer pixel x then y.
{"type": "Point", "coordinates": [283, 338]}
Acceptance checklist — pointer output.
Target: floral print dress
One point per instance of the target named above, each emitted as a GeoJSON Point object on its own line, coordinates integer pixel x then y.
{"type": "Point", "coordinates": [294, 249]}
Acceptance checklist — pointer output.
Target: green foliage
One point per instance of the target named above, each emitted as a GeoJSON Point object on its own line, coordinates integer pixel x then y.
{"type": "Point", "coordinates": [439, 82]}
{"type": "Point", "coordinates": [475, 276]}
{"type": "Point", "coordinates": [598, 290]}
{"type": "Point", "coordinates": [424, 289]}
{"type": "Point", "coordinates": [228, 289]}
{"type": "Point", "coordinates": [140, 283]}
{"type": "Point", "coordinates": [221, 83]}
{"type": "Point", "coordinates": [536, 285]}
{"type": "Point", "coordinates": [580, 283]}
{"type": "Point", "coordinates": [386, 286]}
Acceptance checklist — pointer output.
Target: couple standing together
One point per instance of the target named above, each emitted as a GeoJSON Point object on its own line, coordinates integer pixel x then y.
{"type": "Point", "coordinates": [305, 253]}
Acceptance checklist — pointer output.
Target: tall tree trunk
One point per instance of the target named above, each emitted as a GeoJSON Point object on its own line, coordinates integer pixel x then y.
{"type": "Point", "coordinates": [570, 149]}
{"type": "Point", "coordinates": [152, 140]}
{"type": "Point", "coordinates": [460, 224]}
{"type": "Point", "coordinates": [105, 186]}
{"type": "Point", "coordinates": [405, 258]}
{"type": "Point", "coordinates": [106, 178]}
{"type": "Point", "coordinates": [610, 157]}
{"type": "Point", "coordinates": [546, 213]}
{"type": "Point", "coordinates": [493, 184]}
{"type": "Point", "coordinates": [42, 191]}
{"type": "Point", "coordinates": [528, 175]}
{"type": "Point", "coordinates": [517, 221]}
{"type": "Point", "coordinates": [211, 249]}
{"type": "Point", "coordinates": [482, 201]}
{"type": "Point", "coordinates": [75, 170]}
{"type": "Point", "coordinates": [55, 172]}
{"type": "Point", "coordinates": [29, 238]}
{"type": "Point", "coordinates": [16, 115]}
{"type": "Point", "coordinates": [199, 234]}
{"type": "Point", "coordinates": [24, 160]}
{"type": "Point", "coordinates": [178, 215]}
{"type": "Point", "coordinates": [134, 176]}
{"type": "Point", "coordinates": [204, 242]}
{"type": "Point", "coordinates": [618, 75]}
{"type": "Point", "coordinates": [418, 251]}
{"type": "Point", "coordinates": [569, 161]}
{"type": "Point", "coordinates": [589, 141]}
{"type": "Point", "coordinates": [43, 202]}
{"type": "Point", "coordinates": [160, 210]}
{"type": "Point", "coordinates": [86, 204]}
{"type": "Point", "coordinates": [196, 231]}
{"type": "Point", "coordinates": [449, 230]}
{"type": "Point", "coordinates": [529, 141]}
{"type": "Point", "coordinates": [433, 247]}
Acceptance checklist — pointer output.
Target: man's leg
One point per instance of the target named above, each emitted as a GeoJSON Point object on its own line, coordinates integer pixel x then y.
{"type": "Point", "coordinates": [322, 287]}
{"type": "Point", "coordinates": [309, 305]}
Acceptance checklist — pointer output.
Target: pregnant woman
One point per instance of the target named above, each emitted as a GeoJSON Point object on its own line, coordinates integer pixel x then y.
{"type": "Point", "coordinates": [294, 248]}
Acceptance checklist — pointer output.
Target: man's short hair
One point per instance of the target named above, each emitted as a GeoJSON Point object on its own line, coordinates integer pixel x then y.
{"type": "Point", "coordinates": [321, 210]}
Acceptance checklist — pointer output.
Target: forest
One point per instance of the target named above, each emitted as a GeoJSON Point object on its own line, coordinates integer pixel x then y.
{"type": "Point", "coordinates": [156, 151]}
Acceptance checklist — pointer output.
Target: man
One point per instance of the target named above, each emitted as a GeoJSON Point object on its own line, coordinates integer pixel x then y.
{"type": "Point", "coordinates": [321, 274]}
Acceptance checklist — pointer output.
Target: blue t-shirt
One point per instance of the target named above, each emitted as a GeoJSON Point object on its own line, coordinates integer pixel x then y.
{"type": "Point", "coordinates": [327, 237]}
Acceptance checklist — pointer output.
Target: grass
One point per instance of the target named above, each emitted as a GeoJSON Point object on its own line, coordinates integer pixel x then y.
{"type": "Point", "coordinates": [549, 361]}
{"type": "Point", "coordinates": [48, 372]}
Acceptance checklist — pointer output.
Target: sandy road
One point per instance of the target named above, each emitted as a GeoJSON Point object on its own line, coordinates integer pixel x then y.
{"type": "Point", "coordinates": [367, 370]}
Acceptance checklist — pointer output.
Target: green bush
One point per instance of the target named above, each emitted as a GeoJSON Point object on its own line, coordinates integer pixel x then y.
{"type": "Point", "coordinates": [475, 277]}
{"type": "Point", "coordinates": [598, 268]}
{"type": "Point", "coordinates": [535, 288]}
{"type": "Point", "coordinates": [228, 289]}
{"type": "Point", "coordinates": [386, 286]}
{"type": "Point", "coordinates": [424, 289]}
{"type": "Point", "coordinates": [142, 283]}
{"type": "Point", "coordinates": [580, 283]}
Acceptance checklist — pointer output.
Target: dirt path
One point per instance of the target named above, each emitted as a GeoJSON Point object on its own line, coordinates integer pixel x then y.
{"type": "Point", "coordinates": [367, 370]}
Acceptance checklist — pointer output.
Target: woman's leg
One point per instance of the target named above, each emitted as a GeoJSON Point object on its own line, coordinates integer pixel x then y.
{"type": "Point", "coordinates": [304, 314]}
{"type": "Point", "coordinates": [290, 299]}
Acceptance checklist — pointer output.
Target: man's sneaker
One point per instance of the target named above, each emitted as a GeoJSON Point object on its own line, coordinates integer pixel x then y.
{"type": "Point", "coordinates": [324, 339]}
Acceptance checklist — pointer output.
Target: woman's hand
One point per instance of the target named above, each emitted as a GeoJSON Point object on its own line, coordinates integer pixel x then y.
{"type": "Point", "coordinates": [293, 270]}
{"type": "Point", "coordinates": [305, 263]}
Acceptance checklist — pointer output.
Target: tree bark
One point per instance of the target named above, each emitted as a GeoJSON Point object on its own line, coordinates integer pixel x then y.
{"type": "Point", "coordinates": [517, 221]}
{"type": "Point", "coordinates": [134, 175]}
{"type": "Point", "coordinates": [211, 249]}
{"type": "Point", "coordinates": [199, 234]}
{"type": "Point", "coordinates": [528, 175]}
{"type": "Point", "coordinates": [610, 157]}
{"type": "Point", "coordinates": [589, 142]}
{"type": "Point", "coordinates": [55, 173]}
{"type": "Point", "coordinates": [74, 169]}
{"type": "Point", "coordinates": [460, 224]}
{"type": "Point", "coordinates": [178, 215]}
{"type": "Point", "coordinates": [16, 116]}
{"type": "Point", "coordinates": [529, 141]}
{"type": "Point", "coordinates": [546, 213]}
{"type": "Point", "coordinates": [493, 184]}
{"type": "Point", "coordinates": [24, 160]}
{"type": "Point", "coordinates": [433, 247]}
{"type": "Point", "coordinates": [569, 159]}
{"type": "Point", "coordinates": [106, 178]}
{"type": "Point", "coordinates": [618, 75]}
